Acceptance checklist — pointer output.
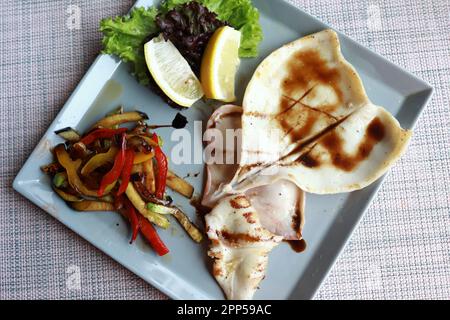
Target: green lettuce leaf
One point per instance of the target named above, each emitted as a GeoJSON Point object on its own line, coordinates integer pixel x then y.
{"type": "Point", "coordinates": [125, 37]}
{"type": "Point", "coordinates": [240, 14]}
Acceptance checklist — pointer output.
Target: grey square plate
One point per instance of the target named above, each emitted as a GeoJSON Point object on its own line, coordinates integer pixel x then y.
{"type": "Point", "coordinates": [185, 273]}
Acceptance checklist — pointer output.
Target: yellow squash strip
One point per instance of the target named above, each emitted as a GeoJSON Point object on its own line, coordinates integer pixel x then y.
{"type": "Point", "coordinates": [139, 204]}
{"type": "Point", "coordinates": [66, 196]}
{"type": "Point", "coordinates": [149, 180]}
{"type": "Point", "coordinates": [190, 228]}
{"type": "Point", "coordinates": [141, 157]}
{"type": "Point", "coordinates": [108, 198]}
{"type": "Point", "coordinates": [92, 206]}
{"type": "Point", "coordinates": [99, 160]}
{"type": "Point", "coordinates": [136, 168]}
{"type": "Point", "coordinates": [108, 189]}
{"type": "Point", "coordinates": [179, 185]}
{"type": "Point", "coordinates": [72, 168]}
{"type": "Point", "coordinates": [117, 119]}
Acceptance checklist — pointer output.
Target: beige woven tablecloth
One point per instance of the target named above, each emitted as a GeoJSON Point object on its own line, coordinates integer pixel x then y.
{"type": "Point", "coordinates": [400, 250]}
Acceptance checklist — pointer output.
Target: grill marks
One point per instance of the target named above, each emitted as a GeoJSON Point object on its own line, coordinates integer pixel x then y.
{"type": "Point", "coordinates": [308, 67]}
{"type": "Point", "coordinates": [300, 122]}
{"type": "Point", "coordinates": [308, 161]}
{"type": "Point", "coordinates": [236, 238]}
{"type": "Point", "coordinates": [303, 69]}
{"type": "Point", "coordinates": [249, 217]}
{"type": "Point", "coordinates": [240, 202]}
{"type": "Point", "coordinates": [299, 130]}
{"type": "Point", "coordinates": [334, 145]}
{"type": "Point", "coordinates": [306, 70]}
{"type": "Point", "coordinates": [286, 104]}
{"type": "Point", "coordinates": [320, 111]}
{"type": "Point", "coordinates": [376, 130]}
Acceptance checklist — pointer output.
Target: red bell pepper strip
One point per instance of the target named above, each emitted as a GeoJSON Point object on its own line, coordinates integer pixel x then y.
{"type": "Point", "coordinates": [101, 133]}
{"type": "Point", "coordinates": [149, 232]}
{"type": "Point", "coordinates": [134, 220]}
{"type": "Point", "coordinates": [116, 170]}
{"type": "Point", "coordinates": [126, 171]}
{"type": "Point", "coordinates": [124, 206]}
{"type": "Point", "coordinates": [162, 168]}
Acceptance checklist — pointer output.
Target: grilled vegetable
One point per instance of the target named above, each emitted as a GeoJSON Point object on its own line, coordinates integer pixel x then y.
{"type": "Point", "coordinates": [116, 170]}
{"type": "Point", "coordinates": [147, 196]}
{"type": "Point", "coordinates": [66, 196]}
{"type": "Point", "coordinates": [102, 133]}
{"type": "Point", "coordinates": [52, 168]}
{"type": "Point", "coordinates": [88, 169]}
{"type": "Point", "coordinates": [157, 208]}
{"type": "Point", "coordinates": [126, 171]}
{"type": "Point", "coordinates": [143, 147]}
{"type": "Point", "coordinates": [179, 185]}
{"type": "Point", "coordinates": [139, 144]}
{"type": "Point", "coordinates": [99, 160]}
{"type": "Point", "coordinates": [69, 134]}
{"type": "Point", "coordinates": [149, 232]}
{"type": "Point", "coordinates": [137, 168]}
{"type": "Point", "coordinates": [108, 198]}
{"type": "Point", "coordinates": [118, 119]}
{"type": "Point", "coordinates": [79, 151]}
{"type": "Point", "coordinates": [161, 175]}
{"type": "Point", "coordinates": [88, 205]}
{"type": "Point", "coordinates": [60, 179]}
{"type": "Point", "coordinates": [72, 171]}
{"type": "Point", "coordinates": [125, 208]}
{"type": "Point", "coordinates": [141, 157]}
{"type": "Point", "coordinates": [133, 218]}
{"type": "Point", "coordinates": [119, 110]}
{"type": "Point", "coordinates": [190, 228]}
{"type": "Point", "coordinates": [149, 176]}
{"type": "Point", "coordinates": [139, 204]}
{"type": "Point", "coordinates": [147, 139]}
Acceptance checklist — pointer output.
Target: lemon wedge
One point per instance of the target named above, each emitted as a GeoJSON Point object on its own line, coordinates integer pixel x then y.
{"type": "Point", "coordinates": [172, 72]}
{"type": "Point", "coordinates": [220, 64]}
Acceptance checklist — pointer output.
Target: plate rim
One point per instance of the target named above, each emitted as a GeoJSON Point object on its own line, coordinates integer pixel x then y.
{"type": "Point", "coordinates": [427, 89]}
